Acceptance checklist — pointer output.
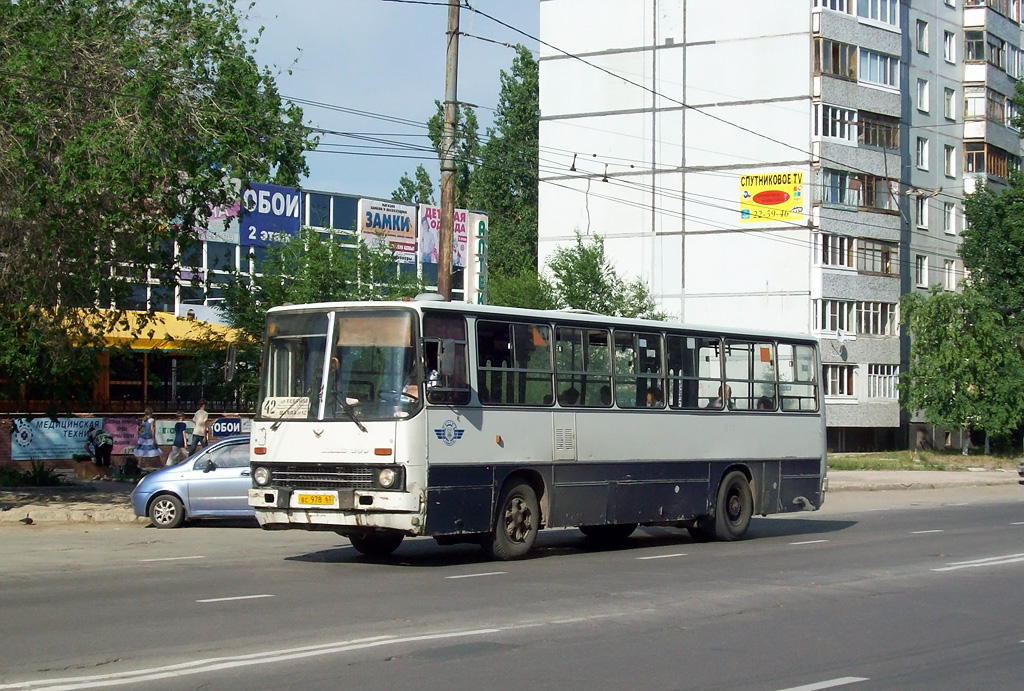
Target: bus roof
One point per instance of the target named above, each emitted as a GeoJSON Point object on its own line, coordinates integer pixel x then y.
{"type": "Point", "coordinates": [573, 316]}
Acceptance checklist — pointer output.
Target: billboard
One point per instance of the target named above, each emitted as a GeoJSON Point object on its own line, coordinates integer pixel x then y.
{"type": "Point", "coordinates": [392, 222]}
{"type": "Point", "coordinates": [43, 439]}
{"type": "Point", "coordinates": [772, 197]}
{"type": "Point", "coordinates": [270, 213]}
{"type": "Point", "coordinates": [430, 235]}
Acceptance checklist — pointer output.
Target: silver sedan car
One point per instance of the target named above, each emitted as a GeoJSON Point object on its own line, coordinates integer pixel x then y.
{"type": "Point", "coordinates": [214, 483]}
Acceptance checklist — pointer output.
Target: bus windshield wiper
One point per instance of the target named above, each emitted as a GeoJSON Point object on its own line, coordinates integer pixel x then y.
{"type": "Point", "coordinates": [349, 410]}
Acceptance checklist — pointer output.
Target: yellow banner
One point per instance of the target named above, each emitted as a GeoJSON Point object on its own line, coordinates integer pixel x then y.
{"type": "Point", "coordinates": [772, 197]}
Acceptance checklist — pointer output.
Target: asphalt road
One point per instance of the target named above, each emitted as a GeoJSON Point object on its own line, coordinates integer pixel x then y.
{"type": "Point", "coordinates": [882, 590]}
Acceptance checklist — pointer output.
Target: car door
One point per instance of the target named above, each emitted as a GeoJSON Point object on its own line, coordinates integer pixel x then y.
{"type": "Point", "coordinates": [219, 482]}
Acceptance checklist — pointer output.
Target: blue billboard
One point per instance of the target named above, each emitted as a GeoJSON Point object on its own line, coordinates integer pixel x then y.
{"type": "Point", "coordinates": [269, 214]}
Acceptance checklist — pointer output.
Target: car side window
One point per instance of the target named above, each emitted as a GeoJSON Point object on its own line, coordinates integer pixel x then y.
{"type": "Point", "coordinates": [235, 456]}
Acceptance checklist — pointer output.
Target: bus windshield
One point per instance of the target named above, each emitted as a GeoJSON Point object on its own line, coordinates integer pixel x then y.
{"type": "Point", "coordinates": [365, 369]}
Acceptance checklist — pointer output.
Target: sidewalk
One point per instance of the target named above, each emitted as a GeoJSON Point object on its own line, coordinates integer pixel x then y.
{"type": "Point", "coordinates": [106, 501]}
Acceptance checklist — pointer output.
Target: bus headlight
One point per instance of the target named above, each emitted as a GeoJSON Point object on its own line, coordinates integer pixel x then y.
{"type": "Point", "coordinates": [261, 476]}
{"type": "Point", "coordinates": [386, 478]}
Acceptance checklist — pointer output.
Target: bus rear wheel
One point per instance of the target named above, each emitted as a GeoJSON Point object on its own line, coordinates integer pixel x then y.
{"type": "Point", "coordinates": [376, 545]}
{"type": "Point", "coordinates": [515, 525]}
{"type": "Point", "coordinates": [616, 532]}
{"type": "Point", "coordinates": [734, 508]}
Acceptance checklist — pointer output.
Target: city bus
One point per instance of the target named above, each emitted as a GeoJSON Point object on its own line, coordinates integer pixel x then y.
{"type": "Point", "coordinates": [474, 423]}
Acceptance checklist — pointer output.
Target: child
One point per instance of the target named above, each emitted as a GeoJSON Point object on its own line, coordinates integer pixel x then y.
{"type": "Point", "coordinates": [146, 446]}
{"type": "Point", "coordinates": [178, 452]}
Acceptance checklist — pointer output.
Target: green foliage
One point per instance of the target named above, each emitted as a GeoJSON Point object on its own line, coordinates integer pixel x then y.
{"type": "Point", "coordinates": [505, 183]}
{"type": "Point", "coordinates": [966, 369]}
{"type": "Point", "coordinates": [420, 191]}
{"type": "Point", "coordinates": [992, 246]}
{"type": "Point", "coordinates": [313, 266]}
{"type": "Point", "coordinates": [38, 475]}
{"type": "Point", "coordinates": [585, 279]}
{"type": "Point", "coordinates": [525, 289]}
{"type": "Point", "coordinates": [121, 123]}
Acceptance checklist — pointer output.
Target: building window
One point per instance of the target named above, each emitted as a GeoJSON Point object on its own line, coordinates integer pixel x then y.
{"type": "Point", "coordinates": [922, 36]}
{"type": "Point", "coordinates": [996, 52]}
{"type": "Point", "coordinates": [974, 103]}
{"type": "Point", "coordinates": [833, 315]}
{"type": "Point", "coordinates": [921, 271]}
{"type": "Point", "coordinates": [882, 381]}
{"type": "Point", "coordinates": [974, 46]}
{"type": "Point", "coordinates": [922, 213]}
{"type": "Point", "coordinates": [995, 107]}
{"type": "Point", "coordinates": [838, 380]}
{"type": "Point", "coordinates": [1013, 61]}
{"type": "Point", "coordinates": [835, 188]}
{"type": "Point", "coordinates": [949, 218]}
{"type": "Point", "coordinates": [876, 257]}
{"type": "Point", "coordinates": [837, 5]}
{"type": "Point", "coordinates": [885, 11]}
{"type": "Point", "coordinates": [835, 58]}
{"type": "Point", "coordinates": [836, 123]}
{"type": "Point", "coordinates": [923, 96]}
{"type": "Point", "coordinates": [950, 3]}
{"type": "Point", "coordinates": [922, 153]}
{"type": "Point", "coordinates": [834, 250]}
{"type": "Point", "coordinates": [878, 68]}
{"type": "Point", "coordinates": [949, 46]}
{"type": "Point", "coordinates": [878, 130]}
{"type": "Point", "coordinates": [949, 274]}
{"type": "Point", "coordinates": [949, 104]}
{"type": "Point", "coordinates": [876, 318]}
{"type": "Point", "coordinates": [980, 157]}
{"type": "Point", "coordinates": [949, 160]}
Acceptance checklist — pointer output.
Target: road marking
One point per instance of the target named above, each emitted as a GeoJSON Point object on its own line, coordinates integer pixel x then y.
{"type": "Point", "coordinates": [476, 575]}
{"type": "Point", "coordinates": [978, 563]}
{"type": "Point", "coordinates": [1018, 523]}
{"type": "Point", "coordinates": [924, 532]}
{"type": "Point", "coordinates": [808, 542]}
{"type": "Point", "coordinates": [830, 684]}
{"type": "Point", "coordinates": [662, 556]}
{"type": "Point", "coordinates": [960, 504]}
{"type": "Point", "coordinates": [237, 597]}
{"type": "Point", "coordinates": [230, 662]}
{"type": "Point", "coordinates": [174, 558]}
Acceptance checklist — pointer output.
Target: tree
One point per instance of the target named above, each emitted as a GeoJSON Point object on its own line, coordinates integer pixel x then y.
{"type": "Point", "coordinates": [525, 289]}
{"type": "Point", "coordinates": [310, 267]}
{"type": "Point", "coordinates": [993, 247]}
{"type": "Point", "coordinates": [585, 279]}
{"type": "Point", "coordinates": [420, 191]}
{"type": "Point", "coordinates": [122, 123]}
{"type": "Point", "coordinates": [504, 184]}
{"type": "Point", "coordinates": [966, 369]}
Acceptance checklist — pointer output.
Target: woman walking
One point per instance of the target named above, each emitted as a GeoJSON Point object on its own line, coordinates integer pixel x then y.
{"type": "Point", "coordinates": [146, 447]}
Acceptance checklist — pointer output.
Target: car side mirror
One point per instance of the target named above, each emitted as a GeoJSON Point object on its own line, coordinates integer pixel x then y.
{"type": "Point", "coordinates": [209, 465]}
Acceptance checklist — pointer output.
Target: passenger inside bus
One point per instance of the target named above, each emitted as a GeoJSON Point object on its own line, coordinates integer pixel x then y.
{"type": "Point", "coordinates": [765, 403]}
{"type": "Point", "coordinates": [724, 398]}
{"type": "Point", "coordinates": [569, 397]}
{"type": "Point", "coordinates": [606, 395]}
{"type": "Point", "coordinates": [654, 398]}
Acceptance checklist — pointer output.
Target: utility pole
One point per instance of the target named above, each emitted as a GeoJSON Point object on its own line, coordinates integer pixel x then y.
{"type": "Point", "coordinates": [451, 78]}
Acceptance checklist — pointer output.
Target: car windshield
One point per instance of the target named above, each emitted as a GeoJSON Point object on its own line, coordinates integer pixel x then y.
{"type": "Point", "coordinates": [369, 371]}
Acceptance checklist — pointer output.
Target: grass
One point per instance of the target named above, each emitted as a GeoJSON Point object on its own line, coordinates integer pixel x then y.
{"type": "Point", "coordinates": [918, 460]}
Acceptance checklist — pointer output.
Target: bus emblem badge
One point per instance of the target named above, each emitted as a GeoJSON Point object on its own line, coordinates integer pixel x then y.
{"type": "Point", "coordinates": [449, 433]}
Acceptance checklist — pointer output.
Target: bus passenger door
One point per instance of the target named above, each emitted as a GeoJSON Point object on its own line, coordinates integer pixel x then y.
{"type": "Point", "coordinates": [564, 441]}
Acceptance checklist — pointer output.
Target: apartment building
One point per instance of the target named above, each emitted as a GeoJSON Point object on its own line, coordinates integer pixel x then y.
{"type": "Point", "coordinates": [657, 116]}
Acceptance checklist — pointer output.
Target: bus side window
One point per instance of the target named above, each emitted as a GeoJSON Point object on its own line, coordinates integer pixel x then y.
{"type": "Point", "coordinates": [445, 367]}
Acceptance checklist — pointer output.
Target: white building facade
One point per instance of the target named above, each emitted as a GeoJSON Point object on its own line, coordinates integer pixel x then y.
{"type": "Point", "coordinates": [656, 116]}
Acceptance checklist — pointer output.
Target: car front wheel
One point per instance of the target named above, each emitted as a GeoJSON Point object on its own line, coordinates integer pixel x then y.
{"type": "Point", "coordinates": [166, 511]}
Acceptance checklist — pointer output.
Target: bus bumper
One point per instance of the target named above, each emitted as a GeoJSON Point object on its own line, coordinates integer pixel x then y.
{"type": "Point", "coordinates": [330, 510]}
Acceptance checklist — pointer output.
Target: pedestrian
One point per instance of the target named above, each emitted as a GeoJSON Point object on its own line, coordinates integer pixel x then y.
{"type": "Point", "coordinates": [146, 446]}
{"type": "Point", "coordinates": [199, 431]}
{"type": "Point", "coordinates": [102, 444]}
{"type": "Point", "coordinates": [178, 452]}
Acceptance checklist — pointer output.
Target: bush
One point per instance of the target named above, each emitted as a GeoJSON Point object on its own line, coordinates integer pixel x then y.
{"type": "Point", "coordinates": [39, 475]}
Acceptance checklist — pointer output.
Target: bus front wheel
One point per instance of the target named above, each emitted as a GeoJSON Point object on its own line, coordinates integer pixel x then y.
{"type": "Point", "coordinates": [376, 545]}
{"type": "Point", "coordinates": [734, 508]}
{"type": "Point", "coordinates": [515, 525]}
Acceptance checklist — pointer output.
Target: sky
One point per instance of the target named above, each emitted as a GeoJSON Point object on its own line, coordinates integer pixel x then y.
{"type": "Point", "coordinates": [382, 58]}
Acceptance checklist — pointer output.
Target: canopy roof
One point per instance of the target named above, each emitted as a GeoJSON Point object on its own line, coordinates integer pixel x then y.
{"type": "Point", "coordinates": [166, 331]}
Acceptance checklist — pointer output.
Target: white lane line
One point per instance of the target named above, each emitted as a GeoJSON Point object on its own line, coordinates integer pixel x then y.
{"type": "Point", "coordinates": [961, 504]}
{"type": "Point", "coordinates": [237, 597]}
{"type": "Point", "coordinates": [924, 532]}
{"type": "Point", "coordinates": [830, 684]}
{"type": "Point", "coordinates": [198, 556]}
{"type": "Point", "coordinates": [477, 575]}
{"type": "Point", "coordinates": [1018, 523]}
{"type": "Point", "coordinates": [220, 663]}
{"type": "Point", "coordinates": [808, 542]}
{"type": "Point", "coordinates": [978, 563]}
{"type": "Point", "coordinates": [662, 556]}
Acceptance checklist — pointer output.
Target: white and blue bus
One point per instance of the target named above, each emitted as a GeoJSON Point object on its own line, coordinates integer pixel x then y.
{"type": "Point", "coordinates": [470, 423]}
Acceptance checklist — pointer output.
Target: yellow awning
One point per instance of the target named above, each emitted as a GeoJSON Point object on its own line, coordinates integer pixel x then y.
{"type": "Point", "coordinates": [166, 331]}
